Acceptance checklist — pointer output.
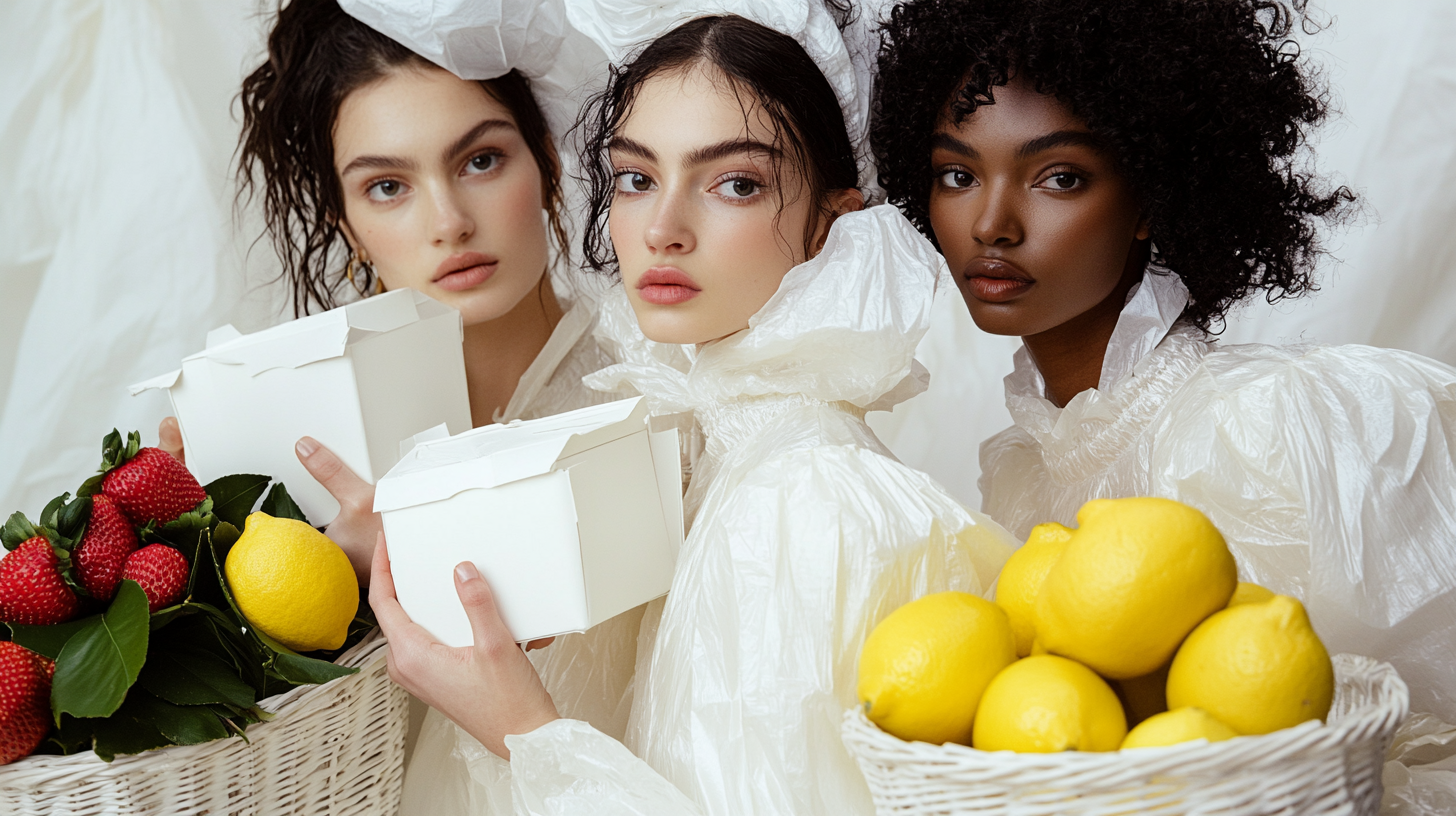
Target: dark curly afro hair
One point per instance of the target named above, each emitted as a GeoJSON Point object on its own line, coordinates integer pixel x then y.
{"type": "Point", "coordinates": [1204, 104]}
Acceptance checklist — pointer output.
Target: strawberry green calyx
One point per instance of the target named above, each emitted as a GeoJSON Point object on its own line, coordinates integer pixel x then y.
{"type": "Point", "coordinates": [113, 455]}
{"type": "Point", "coordinates": [17, 529]}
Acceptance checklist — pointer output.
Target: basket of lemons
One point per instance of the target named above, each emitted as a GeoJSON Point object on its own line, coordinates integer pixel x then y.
{"type": "Point", "coordinates": [166, 650]}
{"type": "Point", "coordinates": [1122, 669]}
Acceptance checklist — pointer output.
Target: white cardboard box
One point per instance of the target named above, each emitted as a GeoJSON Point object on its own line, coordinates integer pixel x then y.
{"type": "Point", "coordinates": [572, 519]}
{"type": "Point", "coordinates": [359, 379]}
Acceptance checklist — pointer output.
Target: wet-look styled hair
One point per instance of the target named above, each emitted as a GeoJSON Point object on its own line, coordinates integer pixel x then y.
{"type": "Point", "coordinates": [317, 56]}
{"type": "Point", "coordinates": [1204, 105]}
{"type": "Point", "coordinates": [763, 67]}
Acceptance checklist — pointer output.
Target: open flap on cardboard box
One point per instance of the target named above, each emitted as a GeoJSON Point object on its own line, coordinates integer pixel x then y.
{"type": "Point", "coordinates": [493, 455]}
{"type": "Point", "coordinates": [308, 339]}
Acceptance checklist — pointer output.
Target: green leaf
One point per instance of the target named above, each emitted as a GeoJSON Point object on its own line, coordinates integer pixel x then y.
{"type": "Point", "coordinates": [180, 724]}
{"type": "Point", "coordinates": [17, 530]}
{"type": "Point", "coordinates": [272, 644]}
{"type": "Point", "coordinates": [102, 660]}
{"type": "Point", "coordinates": [233, 496]}
{"type": "Point", "coordinates": [300, 670]}
{"type": "Point", "coordinates": [125, 733]}
{"type": "Point", "coordinates": [74, 735]}
{"type": "Point", "coordinates": [72, 518]}
{"type": "Point", "coordinates": [48, 640]}
{"type": "Point", "coordinates": [48, 515]}
{"type": "Point", "coordinates": [224, 536]}
{"type": "Point", "coordinates": [184, 531]}
{"type": "Point", "coordinates": [279, 504]}
{"type": "Point", "coordinates": [188, 676]}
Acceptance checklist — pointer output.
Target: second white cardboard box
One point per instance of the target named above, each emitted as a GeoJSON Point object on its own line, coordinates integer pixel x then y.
{"type": "Point", "coordinates": [572, 519]}
{"type": "Point", "coordinates": [359, 379]}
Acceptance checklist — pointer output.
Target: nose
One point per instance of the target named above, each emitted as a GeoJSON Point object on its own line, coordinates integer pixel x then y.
{"type": "Point", "coordinates": [998, 221]}
{"type": "Point", "coordinates": [451, 224]}
{"type": "Point", "coordinates": [669, 229]}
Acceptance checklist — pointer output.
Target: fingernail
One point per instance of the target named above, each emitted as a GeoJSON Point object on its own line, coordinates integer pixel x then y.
{"type": "Point", "coordinates": [465, 571]}
{"type": "Point", "coordinates": [306, 447]}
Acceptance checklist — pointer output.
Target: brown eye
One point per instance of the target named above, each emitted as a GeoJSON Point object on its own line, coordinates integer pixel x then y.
{"type": "Point", "coordinates": [956, 179]}
{"type": "Point", "coordinates": [633, 183]}
{"type": "Point", "coordinates": [1064, 181]}
{"type": "Point", "coordinates": [738, 188]}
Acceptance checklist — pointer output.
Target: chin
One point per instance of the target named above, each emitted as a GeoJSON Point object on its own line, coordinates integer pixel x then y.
{"type": "Point", "coordinates": [997, 319]}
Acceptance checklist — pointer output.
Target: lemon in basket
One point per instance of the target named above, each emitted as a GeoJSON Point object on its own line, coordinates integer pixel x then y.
{"type": "Point", "coordinates": [923, 668]}
{"type": "Point", "coordinates": [292, 583]}
{"type": "Point", "coordinates": [1249, 593]}
{"type": "Point", "coordinates": [1179, 725]}
{"type": "Point", "coordinates": [1021, 579]}
{"type": "Point", "coordinates": [1047, 704]}
{"type": "Point", "coordinates": [1137, 576]}
{"type": "Point", "coordinates": [1258, 667]}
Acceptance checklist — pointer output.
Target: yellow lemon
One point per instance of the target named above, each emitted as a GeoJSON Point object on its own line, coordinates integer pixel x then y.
{"type": "Point", "coordinates": [293, 583]}
{"type": "Point", "coordinates": [1143, 697]}
{"type": "Point", "coordinates": [1246, 592]}
{"type": "Point", "coordinates": [1135, 579]}
{"type": "Point", "coordinates": [924, 666]}
{"type": "Point", "coordinates": [1046, 704]}
{"type": "Point", "coordinates": [1020, 580]}
{"type": "Point", "coordinates": [1178, 725]}
{"type": "Point", "coordinates": [1258, 667]}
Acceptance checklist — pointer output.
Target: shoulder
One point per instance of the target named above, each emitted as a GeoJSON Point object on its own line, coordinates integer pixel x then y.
{"type": "Point", "coordinates": [1351, 375]}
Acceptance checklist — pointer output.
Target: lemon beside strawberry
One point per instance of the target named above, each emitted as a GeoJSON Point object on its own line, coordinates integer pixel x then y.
{"type": "Point", "coordinates": [292, 583]}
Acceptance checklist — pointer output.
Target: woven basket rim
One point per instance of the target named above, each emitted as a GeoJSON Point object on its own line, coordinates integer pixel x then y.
{"type": "Point", "coordinates": [1382, 713]}
{"type": "Point", "coordinates": [362, 655]}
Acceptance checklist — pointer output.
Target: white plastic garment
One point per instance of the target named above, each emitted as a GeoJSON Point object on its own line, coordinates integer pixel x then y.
{"type": "Point", "coordinates": [807, 534]}
{"type": "Point", "coordinates": [1329, 470]}
{"type": "Point", "coordinates": [589, 674]}
{"type": "Point", "coordinates": [624, 27]}
{"type": "Point", "coordinates": [484, 39]}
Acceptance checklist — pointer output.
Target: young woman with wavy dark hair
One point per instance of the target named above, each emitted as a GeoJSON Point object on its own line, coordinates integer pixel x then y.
{"type": "Point", "coordinates": [1107, 181]}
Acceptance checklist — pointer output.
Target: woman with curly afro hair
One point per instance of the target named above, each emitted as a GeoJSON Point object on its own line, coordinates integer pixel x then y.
{"type": "Point", "coordinates": [1107, 181]}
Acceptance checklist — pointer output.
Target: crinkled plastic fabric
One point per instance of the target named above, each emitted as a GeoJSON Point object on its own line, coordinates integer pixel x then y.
{"type": "Point", "coordinates": [807, 533]}
{"type": "Point", "coordinates": [1329, 470]}
{"type": "Point", "coordinates": [484, 39]}
{"type": "Point", "coordinates": [589, 675]}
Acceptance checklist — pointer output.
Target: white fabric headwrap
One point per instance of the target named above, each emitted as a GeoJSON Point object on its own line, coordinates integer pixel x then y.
{"type": "Point", "coordinates": [484, 39]}
{"type": "Point", "coordinates": [623, 27]}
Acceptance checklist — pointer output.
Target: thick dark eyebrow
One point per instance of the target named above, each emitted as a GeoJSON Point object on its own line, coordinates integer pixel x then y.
{"type": "Point", "coordinates": [1061, 138]}
{"type": "Point", "coordinates": [702, 155]}
{"type": "Point", "coordinates": [723, 150]}
{"type": "Point", "coordinates": [945, 141]}
{"type": "Point", "coordinates": [377, 163]}
{"type": "Point", "coordinates": [463, 143]}
{"type": "Point", "coordinates": [456, 147]}
{"type": "Point", "coordinates": [635, 148]}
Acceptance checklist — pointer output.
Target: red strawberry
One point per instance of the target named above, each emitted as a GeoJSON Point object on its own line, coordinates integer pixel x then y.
{"type": "Point", "coordinates": [162, 572]}
{"type": "Point", "coordinates": [109, 539]}
{"type": "Point", "coordinates": [146, 483]}
{"type": "Point", "coordinates": [25, 702]}
{"type": "Point", "coordinates": [32, 591]}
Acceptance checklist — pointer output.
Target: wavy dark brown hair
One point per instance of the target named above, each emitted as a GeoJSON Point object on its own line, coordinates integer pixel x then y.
{"type": "Point", "coordinates": [317, 56]}
{"type": "Point", "coordinates": [1205, 105]}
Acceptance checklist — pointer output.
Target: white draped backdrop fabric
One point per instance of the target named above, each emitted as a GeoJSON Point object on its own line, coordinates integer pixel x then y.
{"type": "Point", "coordinates": [120, 248]}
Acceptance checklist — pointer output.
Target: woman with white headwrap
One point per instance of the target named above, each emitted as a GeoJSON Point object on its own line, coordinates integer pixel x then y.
{"type": "Point", "coordinates": [760, 297]}
{"type": "Point", "coordinates": [454, 186]}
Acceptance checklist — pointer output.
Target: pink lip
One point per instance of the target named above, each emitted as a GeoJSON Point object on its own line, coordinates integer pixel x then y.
{"type": "Point", "coordinates": [464, 270]}
{"type": "Point", "coordinates": [667, 286]}
{"type": "Point", "coordinates": [995, 280]}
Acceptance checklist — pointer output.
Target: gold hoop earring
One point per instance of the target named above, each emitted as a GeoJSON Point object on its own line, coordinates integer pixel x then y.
{"type": "Point", "coordinates": [366, 271]}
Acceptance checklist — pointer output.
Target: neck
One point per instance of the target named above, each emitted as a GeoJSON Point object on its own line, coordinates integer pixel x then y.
{"type": "Point", "coordinates": [1070, 356]}
{"type": "Point", "coordinates": [498, 352]}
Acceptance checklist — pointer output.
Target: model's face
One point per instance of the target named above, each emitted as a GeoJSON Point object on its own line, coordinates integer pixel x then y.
{"type": "Point", "coordinates": [1036, 223]}
{"type": "Point", "coordinates": [703, 226]}
{"type": "Point", "coordinates": [441, 192]}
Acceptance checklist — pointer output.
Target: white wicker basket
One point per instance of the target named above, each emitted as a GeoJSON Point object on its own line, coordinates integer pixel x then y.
{"type": "Point", "coordinates": [1314, 768]}
{"type": "Point", "coordinates": [333, 750]}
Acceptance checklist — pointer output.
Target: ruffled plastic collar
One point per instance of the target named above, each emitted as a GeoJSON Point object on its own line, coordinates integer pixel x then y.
{"type": "Point", "coordinates": [1150, 355]}
{"type": "Point", "coordinates": [842, 328]}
